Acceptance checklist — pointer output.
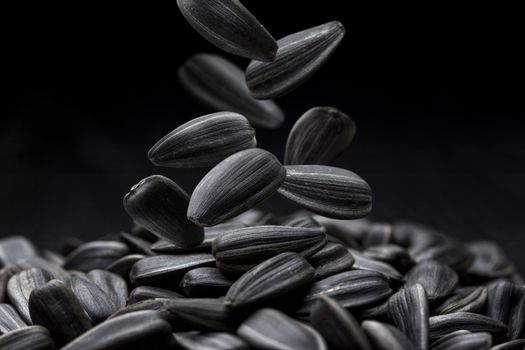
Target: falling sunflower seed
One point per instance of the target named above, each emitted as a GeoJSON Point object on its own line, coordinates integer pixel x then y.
{"type": "Point", "coordinates": [160, 205]}
{"type": "Point", "coordinates": [9, 319]}
{"type": "Point", "coordinates": [438, 280]}
{"type": "Point", "coordinates": [205, 282]}
{"type": "Point", "coordinates": [236, 184]}
{"type": "Point", "coordinates": [442, 325]}
{"type": "Point", "coordinates": [386, 337]}
{"type": "Point", "coordinates": [28, 338]}
{"type": "Point", "coordinates": [209, 341]}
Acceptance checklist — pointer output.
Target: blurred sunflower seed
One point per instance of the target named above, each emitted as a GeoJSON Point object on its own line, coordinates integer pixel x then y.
{"type": "Point", "coordinates": [386, 337]}
{"type": "Point", "coordinates": [442, 325]}
{"type": "Point", "coordinates": [95, 255]}
{"type": "Point", "coordinates": [438, 280]}
{"type": "Point", "coordinates": [28, 338]}
{"type": "Point", "coordinates": [209, 341]}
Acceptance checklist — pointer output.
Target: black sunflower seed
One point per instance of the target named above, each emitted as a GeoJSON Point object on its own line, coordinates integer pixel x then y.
{"type": "Point", "coordinates": [378, 312]}
{"type": "Point", "coordinates": [328, 191]}
{"type": "Point", "coordinates": [319, 137]}
{"type": "Point", "coordinates": [452, 254]}
{"type": "Point", "coordinates": [142, 293]}
{"type": "Point", "coordinates": [53, 268]}
{"type": "Point", "coordinates": [137, 245]}
{"type": "Point", "coordinates": [28, 338]}
{"type": "Point", "coordinates": [386, 337]}
{"type": "Point", "coordinates": [467, 299]}
{"type": "Point", "coordinates": [15, 248]}
{"type": "Point", "coordinates": [271, 329]}
{"type": "Point", "coordinates": [160, 205]}
{"type": "Point", "coordinates": [408, 310]}
{"type": "Point", "coordinates": [438, 280]}
{"type": "Point", "coordinates": [444, 324]}
{"type": "Point", "coordinates": [338, 327]}
{"type": "Point", "coordinates": [463, 340]}
{"type": "Point", "coordinates": [122, 266]}
{"type": "Point", "coordinates": [10, 319]}
{"type": "Point", "coordinates": [205, 282]}
{"type": "Point", "coordinates": [333, 258]}
{"type": "Point", "coordinates": [506, 303]}
{"type": "Point", "coordinates": [392, 254]}
{"type": "Point", "coordinates": [231, 27]}
{"type": "Point", "coordinates": [300, 219]}
{"type": "Point", "coordinates": [95, 255]}
{"type": "Point", "coordinates": [271, 279]}
{"type": "Point", "coordinates": [377, 234]}
{"type": "Point", "coordinates": [112, 284]}
{"type": "Point", "coordinates": [157, 304]}
{"type": "Point", "coordinates": [97, 304]}
{"type": "Point", "coordinates": [511, 345]}
{"type": "Point", "coordinates": [236, 184]}
{"type": "Point", "coordinates": [299, 56]}
{"type": "Point", "coordinates": [209, 341]}
{"type": "Point", "coordinates": [221, 85]}
{"type": "Point", "coordinates": [489, 261]}
{"type": "Point", "coordinates": [204, 141]}
{"type": "Point", "coordinates": [364, 263]}
{"type": "Point", "coordinates": [347, 232]}
{"type": "Point", "coordinates": [418, 238]}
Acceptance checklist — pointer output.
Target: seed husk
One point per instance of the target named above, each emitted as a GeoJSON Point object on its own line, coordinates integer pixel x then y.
{"type": "Point", "coordinates": [112, 284]}
{"type": "Point", "coordinates": [137, 330]}
{"type": "Point", "coordinates": [20, 287]}
{"type": "Point", "coordinates": [271, 329]}
{"type": "Point", "coordinates": [236, 184]}
{"type": "Point", "coordinates": [205, 282]}
{"type": "Point", "coordinates": [386, 337]}
{"type": "Point", "coordinates": [506, 303]}
{"type": "Point", "coordinates": [142, 293]}
{"type": "Point", "coordinates": [444, 324]}
{"type": "Point", "coordinates": [10, 319]}
{"type": "Point", "coordinates": [55, 307]}
{"type": "Point", "coordinates": [299, 56]}
{"type": "Point", "coordinates": [467, 299]}
{"type": "Point", "coordinates": [15, 248]}
{"type": "Point", "coordinates": [231, 27]}
{"type": "Point", "coordinates": [204, 141]}
{"type": "Point", "coordinates": [97, 304]}
{"type": "Point", "coordinates": [122, 266]}
{"type": "Point", "coordinates": [221, 85]}
{"type": "Point", "coordinates": [333, 258]}
{"type": "Point", "coordinates": [209, 341]}
{"type": "Point", "coordinates": [320, 136]}
{"type": "Point", "coordinates": [408, 311]}
{"type": "Point", "coordinates": [392, 254]}
{"type": "Point", "coordinates": [463, 340]}
{"type": "Point", "coordinates": [95, 255]}
{"type": "Point", "coordinates": [269, 280]}
{"type": "Point", "coordinates": [511, 345]}
{"type": "Point", "coordinates": [328, 191]}
{"type": "Point", "coordinates": [163, 268]}
{"type": "Point", "coordinates": [364, 263]}
{"type": "Point", "coordinates": [337, 326]}
{"type": "Point", "coordinates": [28, 338]}
{"type": "Point", "coordinates": [438, 280]}
{"type": "Point", "coordinates": [240, 250]}
{"type": "Point", "coordinates": [489, 262]}
{"type": "Point", "coordinates": [160, 205]}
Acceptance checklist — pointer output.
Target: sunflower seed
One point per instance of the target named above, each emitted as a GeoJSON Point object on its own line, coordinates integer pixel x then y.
{"type": "Point", "coordinates": [469, 299]}
{"type": "Point", "coordinates": [9, 319]}
{"type": "Point", "coordinates": [442, 325]}
{"type": "Point", "coordinates": [463, 340]}
{"type": "Point", "coordinates": [160, 205]}
{"type": "Point", "coordinates": [122, 266]}
{"type": "Point", "coordinates": [206, 314]}
{"type": "Point", "coordinates": [319, 137]}
{"type": "Point", "coordinates": [97, 304]}
{"type": "Point", "coordinates": [29, 338]}
{"type": "Point", "coordinates": [348, 232]}
{"type": "Point", "coordinates": [113, 285]}
{"type": "Point", "coordinates": [506, 303]}
{"type": "Point", "coordinates": [95, 255]}
{"type": "Point", "coordinates": [333, 258]}
{"type": "Point", "coordinates": [55, 307]}
{"type": "Point", "coordinates": [142, 293]}
{"type": "Point", "coordinates": [163, 268]}
{"type": "Point", "coordinates": [251, 217]}
{"type": "Point", "coordinates": [408, 310]}
{"type": "Point", "coordinates": [137, 330]}
{"type": "Point", "coordinates": [489, 261]}
{"type": "Point", "coordinates": [205, 282]}
{"type": "Point", "coordinates": [511, 345]}
{"type": "Point", "coordinates": [271, 279]}
{"type": "Point", "coordinates": [236, 184]}
{"type": "Point", "coordinates": [271, 329]}
{"type": "Point", "coordinates": [204, 141]}
{"type": "Point", "coordinates": [141, 232]}
{"type": "Point", "coordinates": [332, 192]}
{"type": "Point", "coordinates": [338, 327]}
{"type": "Point", "coordinates": [209, 341]}
{"type": "Point", "coordinates": [5, 275]}
{"type": "Point", "coordinates": [158, 305]}
{"type": "Point", "coordinates": [242, 249]}
{"type": "Point", "coordinates": [378, 312]}
{"type": "Point", "coordinates": [15, 248]}
{"type": "Point", "coordinates": [299, 56]}
{"type": "Point", "coordinates": [392, 254]}
{"type": "Point", "coordinates": [352, 289]}
{"type": "Point", "coordinates": [364, 263]}
{"type": "Point", "coordinates": [418, 238]}
{"type": "Point", "coordinates": [20, 287]}
{"type": "Point", "coordinates": [136, 244]}
{"type": "Point", "coordinates": [221, 85]}
{"type": "Point", "coordinates": [54, 269]}
{"type": "Point", "coordinates": [451, 254]}
{"type": "Point", "coordinates": [229, 25]}
{"type": "Point", "coordinates": [438, 280]}
{"type": "Point", "coordinates": [377, 234]}
{"type": "Point", "coordinates": [386, 337]}
{"type": "Point", "coordinates": [300, 219]}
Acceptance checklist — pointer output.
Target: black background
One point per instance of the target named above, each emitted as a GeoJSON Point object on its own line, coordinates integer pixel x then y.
{"type": "Point", "coordinates": [436, 91]}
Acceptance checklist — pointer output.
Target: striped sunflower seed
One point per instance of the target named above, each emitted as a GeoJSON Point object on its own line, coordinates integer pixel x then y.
{"type": "Point", "coordinates": [5, 275]}
{"type": "Point", "coordinates": [363, 263]}
{"type": "Point", "coordinates": [160, 205]}
{"type": "Point", "coordinates": [158, 305]}
{"type": "Point", "coordinates": [55, 307]}
{"type": "Point", "coordinates": [20, 287]}
{"type": "Point", "coordinates": [467, 299]}
{"type": "Point", "coordinates": [408, 310]}
{"type": "Point", "coordinates": [205, 282]}
{"type": "Point", "coordinates": [451, 254]}
{"type": "Point", "coordinates": [438, 280]}
{"type": "Point", "coordinates": [378, 312]}
{"type": "Point", "coordinates": [221, 85]}
{"type": "Point", "coordinates": [112, 284]}
{"type": "Point", "coordinates": [137, 245]}
{"type": "Point", "coordinates": [329, 191]}
{"type": "Point", "coordinates": [204, 141]}
{"type": "Point", "coordinates": [320, 136]}
{"type": "Point", "coordinates": [489, 262]}
{"type": "Point", "coordinates": [95, 255]}
{"type": "Point", "coordinates": [271, 329]}
{"type": "Point", "coordinates": [337, 326]}
{"type": "Point", "coordinates": [97, 304]}
{"type": "Point", "coordinates": [142, 293]}
{"type": "Point", "coordinates": [386, 337]}
{"type": "Point", "coordinates": [463, 340]}
{"type": "Point", "coordinates": [352, 289]}
{"type": "Point", "coordinates": [236, 184]}
{"type": "Point", "coordinates": [251, 217]}
{"type": "Point", "coordinates": [240, 250]}
{"type": "Point", "coordinates": [511, 345]}
{"type": "Point", "coordinates": [164, 268]}
{"type": "Point", "coordinates": [137, 330]}
{"type": "Point", "coordinates": [28, 338]}
{"type": "Point", "coordinates": [209, 341]}
{"type": "Point", "coordinates": [10, 319]}
{"type": "Point", "coordinates": [506, 303]}
{"type": "Point", "coordinates": [300, 219]}
{"type": "Point", "coordinates": [122, 266]}
{"type": "Point", "coordinates": [15, 248]}
{"type": "Point", "coordinates": [141, 232]}
{"type": "Point", "coordinates": [271, 279]}
{"type": "Point", "coordinates": [346, 232]}
{"type": "Point", "coordinates": [333, 258]}
{"type": "Point", "coordinates": [392, 254]}
{"type": "Point", "coordinates": [229, 25]}
{"type": "Point", "coordinates": [418, 238]}
{"type": "Point", "coordinates": [299, 56]}
{"type": "Point", "coordinates": [54, 269]}
{"type": "Point", "coordinates": [442, 325]}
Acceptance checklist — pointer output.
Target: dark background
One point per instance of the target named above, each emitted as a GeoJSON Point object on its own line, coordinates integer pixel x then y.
{"type": "Point", "coordinates": [436, 91]}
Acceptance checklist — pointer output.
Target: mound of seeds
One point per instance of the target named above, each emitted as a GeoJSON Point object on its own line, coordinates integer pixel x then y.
{"type": "Point", "coordinates": [211, 271]}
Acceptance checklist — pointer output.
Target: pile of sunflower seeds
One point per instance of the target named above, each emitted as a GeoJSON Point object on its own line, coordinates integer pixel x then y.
{"type": "Point", "coordinates": [210, 271]}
